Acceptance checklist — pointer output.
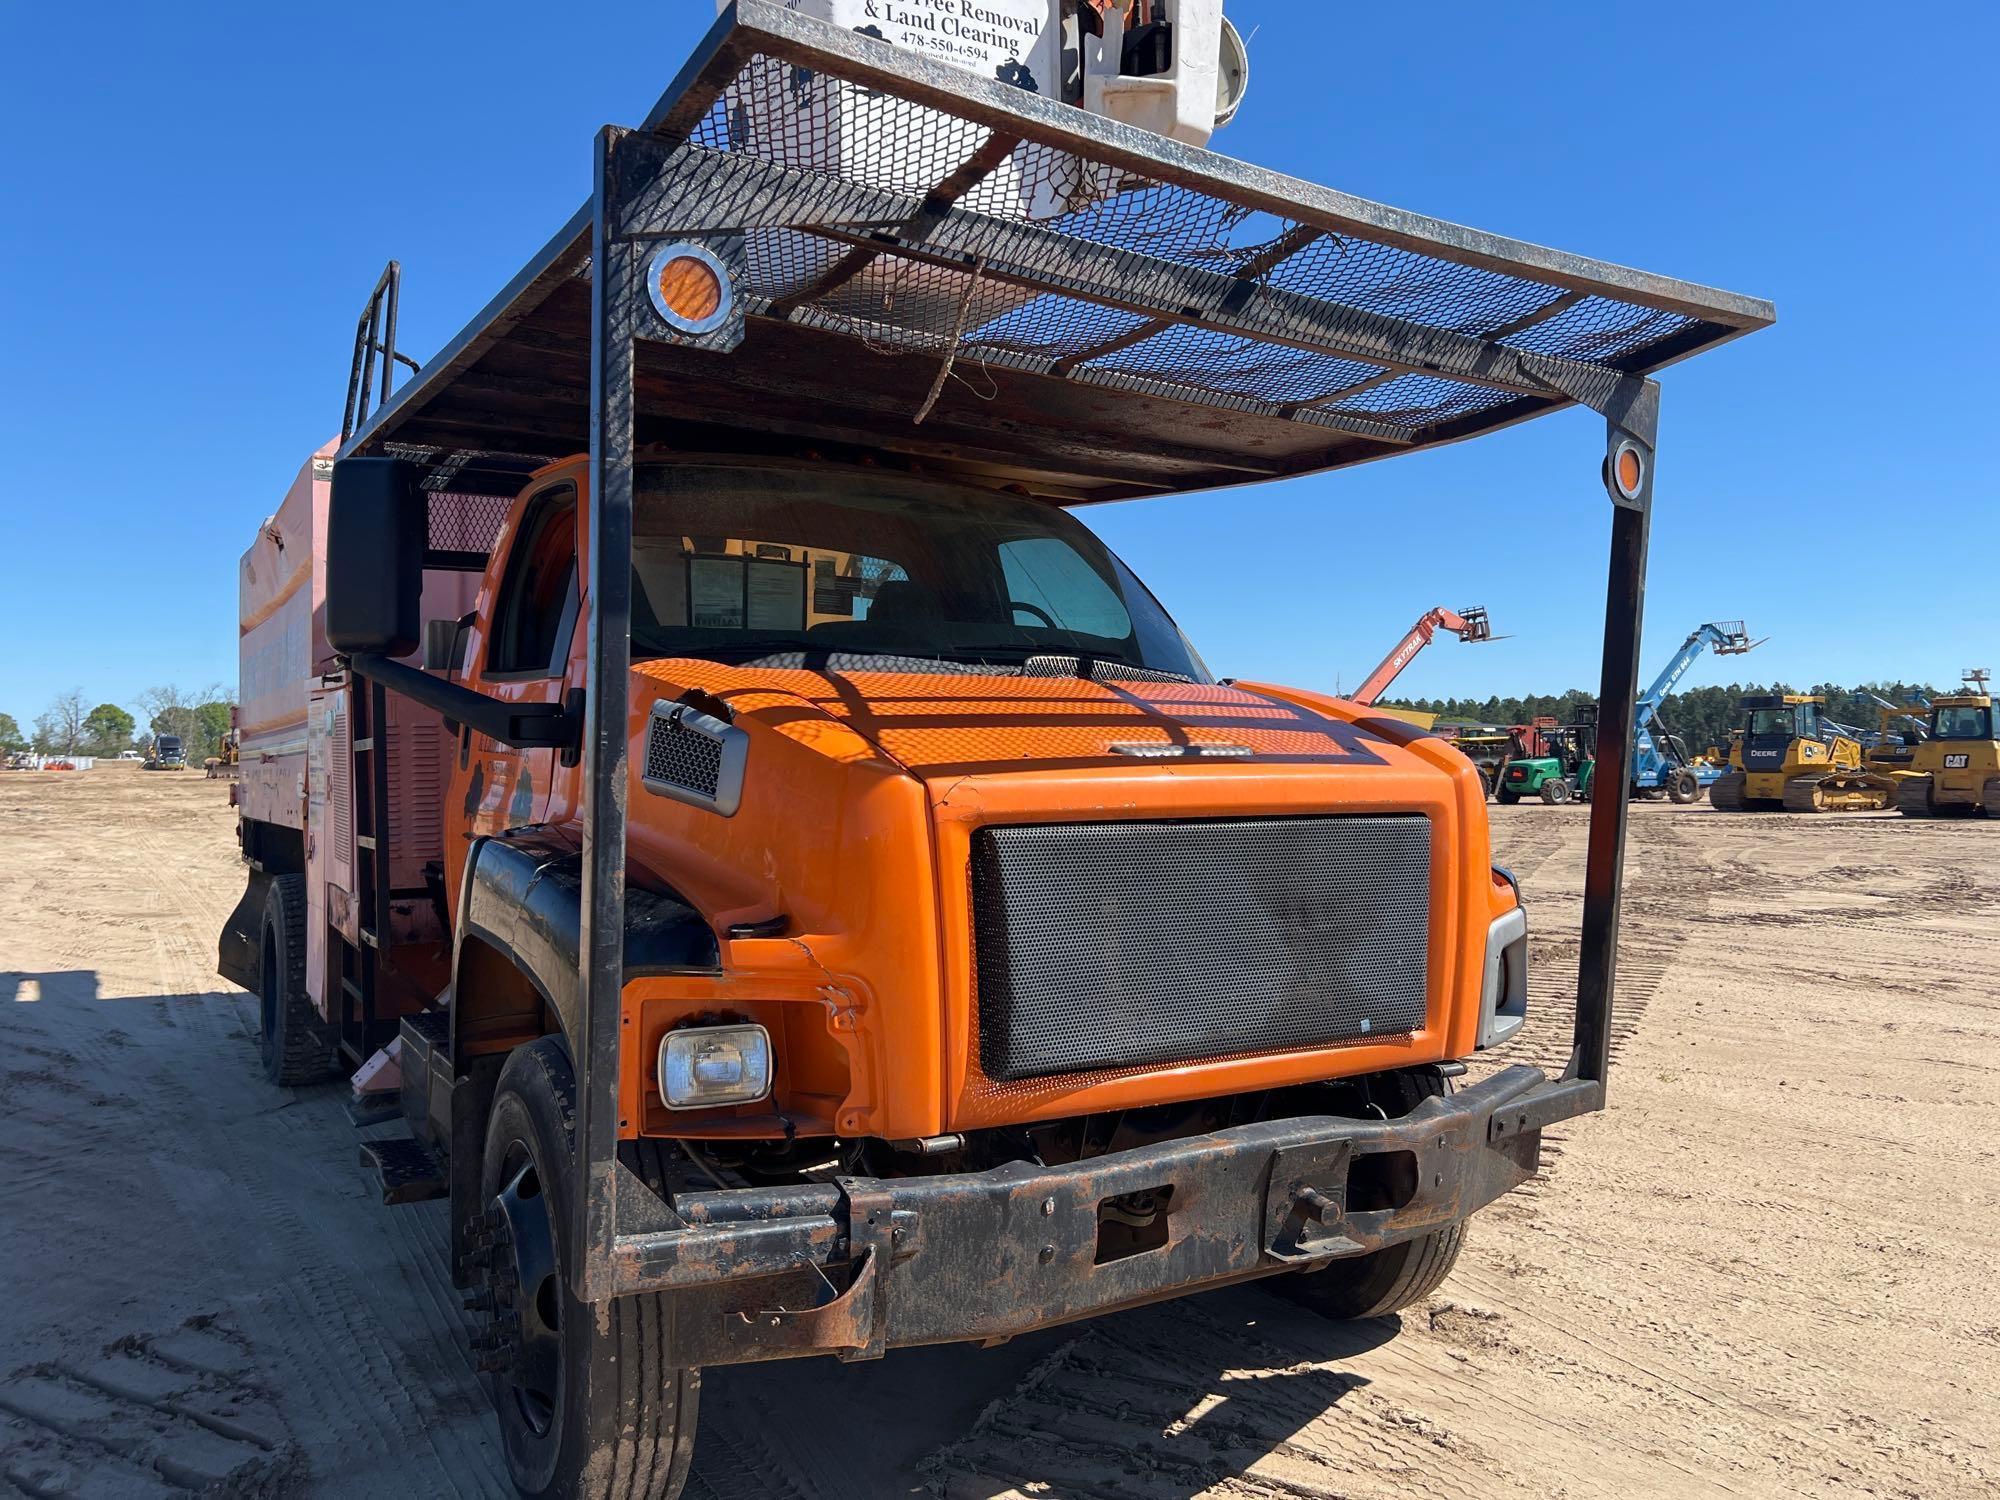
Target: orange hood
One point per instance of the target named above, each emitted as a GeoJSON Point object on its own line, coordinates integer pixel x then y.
{"type": "Point", "coordinates": [938, 726]}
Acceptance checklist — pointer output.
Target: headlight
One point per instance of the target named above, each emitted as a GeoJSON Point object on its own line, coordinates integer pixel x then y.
{"type": "Point", "coordinates": [703, 1066]}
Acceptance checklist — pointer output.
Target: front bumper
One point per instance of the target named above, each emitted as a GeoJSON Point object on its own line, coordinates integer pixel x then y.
{"type": "Point", "coordinates": [867, 1264]}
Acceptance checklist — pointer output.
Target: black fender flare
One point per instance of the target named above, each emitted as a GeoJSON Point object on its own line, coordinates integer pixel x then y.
{"type": "Point", "coordinates": [523, 896]}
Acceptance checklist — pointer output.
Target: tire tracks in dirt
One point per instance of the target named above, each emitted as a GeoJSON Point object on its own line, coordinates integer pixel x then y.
{"type": "Point", "coordinates": [151, 1415]}
{"type": "Point", "coordinates": [1700, 1315]}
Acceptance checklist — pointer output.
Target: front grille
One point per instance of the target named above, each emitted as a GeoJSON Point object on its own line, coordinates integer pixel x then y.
{"type": "Point", "coordinates": [1104, 945]}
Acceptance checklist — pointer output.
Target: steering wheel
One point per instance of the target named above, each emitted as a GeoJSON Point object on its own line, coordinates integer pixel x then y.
{"type": "Point", "coordinates": [1033, 609]}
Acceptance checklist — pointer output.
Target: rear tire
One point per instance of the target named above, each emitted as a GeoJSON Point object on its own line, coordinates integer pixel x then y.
{"type": "Point", "coordinates": [1506, 797]}
{"type": "Point", "coordinates": [292, 1037]}
{"type": "Point", "coordinates": [1555, 791]}
{"type": "Point", "coordinates": [1388, 1280]}
{"type": "Point", "coordinates": [1684, 787]}
{"type": "Point", "coordinates": [590, 1405]}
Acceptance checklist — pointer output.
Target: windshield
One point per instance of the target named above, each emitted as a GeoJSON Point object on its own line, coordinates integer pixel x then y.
{"type": "Point", "coordinates": [1972, 723]}
{"type": "Point", "coordinates": [1765, 721]}
{"type": "Point", "coordinates": [739, 563]}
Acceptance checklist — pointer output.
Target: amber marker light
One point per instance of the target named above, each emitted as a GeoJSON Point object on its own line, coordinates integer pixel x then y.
{"type": "Point", "coordinates": [1628, 470]}
{"type": "Point", "coordinates": [690, 288]}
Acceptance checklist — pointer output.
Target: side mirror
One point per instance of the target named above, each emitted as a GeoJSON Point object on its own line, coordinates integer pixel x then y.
{"type": "Point", "coordinates": [375, 536]}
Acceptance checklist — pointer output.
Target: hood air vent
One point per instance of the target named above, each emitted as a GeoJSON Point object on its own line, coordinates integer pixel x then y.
{"type": "Point", "coordinates": [694, 757]}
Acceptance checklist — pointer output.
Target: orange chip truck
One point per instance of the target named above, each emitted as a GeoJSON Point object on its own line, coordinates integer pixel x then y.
{"type": "Point", "coordinates": [811, 895]}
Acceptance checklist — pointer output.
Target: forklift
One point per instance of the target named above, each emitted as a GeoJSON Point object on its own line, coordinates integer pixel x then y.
{"type": "Point", "coordinates": [1561, 775]}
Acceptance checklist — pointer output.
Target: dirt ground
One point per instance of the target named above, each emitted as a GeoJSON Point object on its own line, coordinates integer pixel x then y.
{"type": "Point", "coordinates": [1768, 1270]}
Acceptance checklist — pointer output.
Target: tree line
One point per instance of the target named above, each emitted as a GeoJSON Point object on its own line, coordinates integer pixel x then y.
{"type": "Point", "coordinates": [70, 726]}
{"type": "Point", "coordinates": [1701, 716]}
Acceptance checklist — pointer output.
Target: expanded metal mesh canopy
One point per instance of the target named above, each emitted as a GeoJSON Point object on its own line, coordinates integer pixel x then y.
{"type": "Point", "coordinates": [1122, 315]}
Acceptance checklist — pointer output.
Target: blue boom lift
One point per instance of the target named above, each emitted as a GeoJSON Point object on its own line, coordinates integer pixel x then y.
{"type": "Point", "coordinates": [1660, 762]}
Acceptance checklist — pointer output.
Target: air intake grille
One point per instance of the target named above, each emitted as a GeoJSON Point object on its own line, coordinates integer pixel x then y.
{"type": "Point", "coordinates": [683, 757]}
{"type": "Point", "coordinates": [1118, 944]}
{"type": "Point", "coordinates": [695, 757]}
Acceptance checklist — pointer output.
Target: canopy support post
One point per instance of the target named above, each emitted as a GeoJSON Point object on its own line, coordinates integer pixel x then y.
{"type": "Point", "coordinates": [609, 612]}
{"type": "Point", "coordinates": [1631, 409]}
{"type": "Point", "coordinates": [1630, 406]}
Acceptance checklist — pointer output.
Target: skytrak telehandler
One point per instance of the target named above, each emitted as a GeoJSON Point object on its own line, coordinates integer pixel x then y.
{"type": "Point", "coordinates": [819, 900]}
{"type": "Point", "coordinates": [1470, 625]}
{"type": "Point", "coordinates": [1791, 758]}
{"type": "Point", "coordinates": [1956, 768]}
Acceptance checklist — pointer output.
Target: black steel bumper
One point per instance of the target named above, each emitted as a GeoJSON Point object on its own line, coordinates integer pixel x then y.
{"type": "Point", "coordinates": [869, 1264]}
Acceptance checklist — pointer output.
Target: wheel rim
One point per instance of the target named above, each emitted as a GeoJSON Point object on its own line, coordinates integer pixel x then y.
{"type": "Point", "coordinates": [527, 1294]}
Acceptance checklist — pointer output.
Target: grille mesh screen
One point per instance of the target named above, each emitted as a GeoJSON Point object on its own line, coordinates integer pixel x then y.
{"type": "Point", "coordinates": [683, 757]}
{"type": "Point", "coordinates": [1117, 944]}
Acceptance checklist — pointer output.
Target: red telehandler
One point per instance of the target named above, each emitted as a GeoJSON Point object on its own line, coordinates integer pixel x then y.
{"type": "Point", "coordinates": [1471, 625]}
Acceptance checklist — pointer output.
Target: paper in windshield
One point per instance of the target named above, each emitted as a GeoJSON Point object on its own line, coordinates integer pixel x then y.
{"type": "Point", "coordinates": [715, 593]}
{"type": "Point", "coordinates": [777, 597]}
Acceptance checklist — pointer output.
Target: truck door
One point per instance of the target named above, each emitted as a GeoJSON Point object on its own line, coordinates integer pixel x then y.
{"type": "Point", "coordinates": [522, 656]}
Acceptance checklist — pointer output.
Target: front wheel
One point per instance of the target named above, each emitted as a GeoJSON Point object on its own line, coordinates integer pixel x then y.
{"type": "Point", "coordinates": [1506, 796]}
{"type": "Point", "coordinates": [1555, 791]}
{"type": "Point", "coordinates": [1387, 1280]}
{"type": "Point", "coordinates": [1685, 787]}
{"type": "Point", "coordinates": [1382, 1282]}
{"type": "Point", "coordinates": [590, 1405]}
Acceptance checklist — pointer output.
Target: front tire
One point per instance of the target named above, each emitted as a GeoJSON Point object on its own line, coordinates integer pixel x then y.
{"type": "Point", "coordinates": [1506, 796]}
{"type": "Point", "coordinates": [1387, 1280]}
{"type": "Point", "coordinates": [1555, 791]}
{"type": "Point", "coordinates": [291, 1037]}
{"type": "Point", "coordinates": [590, 1406]}
{"type": "Point", "coordinates": [1685, 787]}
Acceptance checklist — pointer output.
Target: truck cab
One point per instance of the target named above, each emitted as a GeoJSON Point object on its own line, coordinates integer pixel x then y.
{"type": "Point", "coordinates": [168, 754]}
{"type": "Point", "coordinates": [914, 759]}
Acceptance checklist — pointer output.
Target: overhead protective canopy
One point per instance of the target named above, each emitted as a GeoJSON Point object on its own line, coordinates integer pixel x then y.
{"type": "Point", "coordinates": [1121, 315]}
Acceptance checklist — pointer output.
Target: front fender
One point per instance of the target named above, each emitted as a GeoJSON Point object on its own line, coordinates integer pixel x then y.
{"type": "Point", "coordinates": [523, 897]}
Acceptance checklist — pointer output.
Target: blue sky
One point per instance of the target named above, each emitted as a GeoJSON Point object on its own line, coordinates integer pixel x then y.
{"type": "Point", "coordinates": [194, 201]}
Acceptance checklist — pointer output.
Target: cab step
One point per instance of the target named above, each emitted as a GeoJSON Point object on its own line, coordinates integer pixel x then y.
{"type": "Point", "coordinates": [374, 1109]}
{"type": "Point", "coordinates": [407, 1170]}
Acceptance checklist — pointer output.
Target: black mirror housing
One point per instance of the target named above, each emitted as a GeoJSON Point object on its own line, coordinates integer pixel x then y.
{"type": "Point", "coordinates": [375, 537]}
